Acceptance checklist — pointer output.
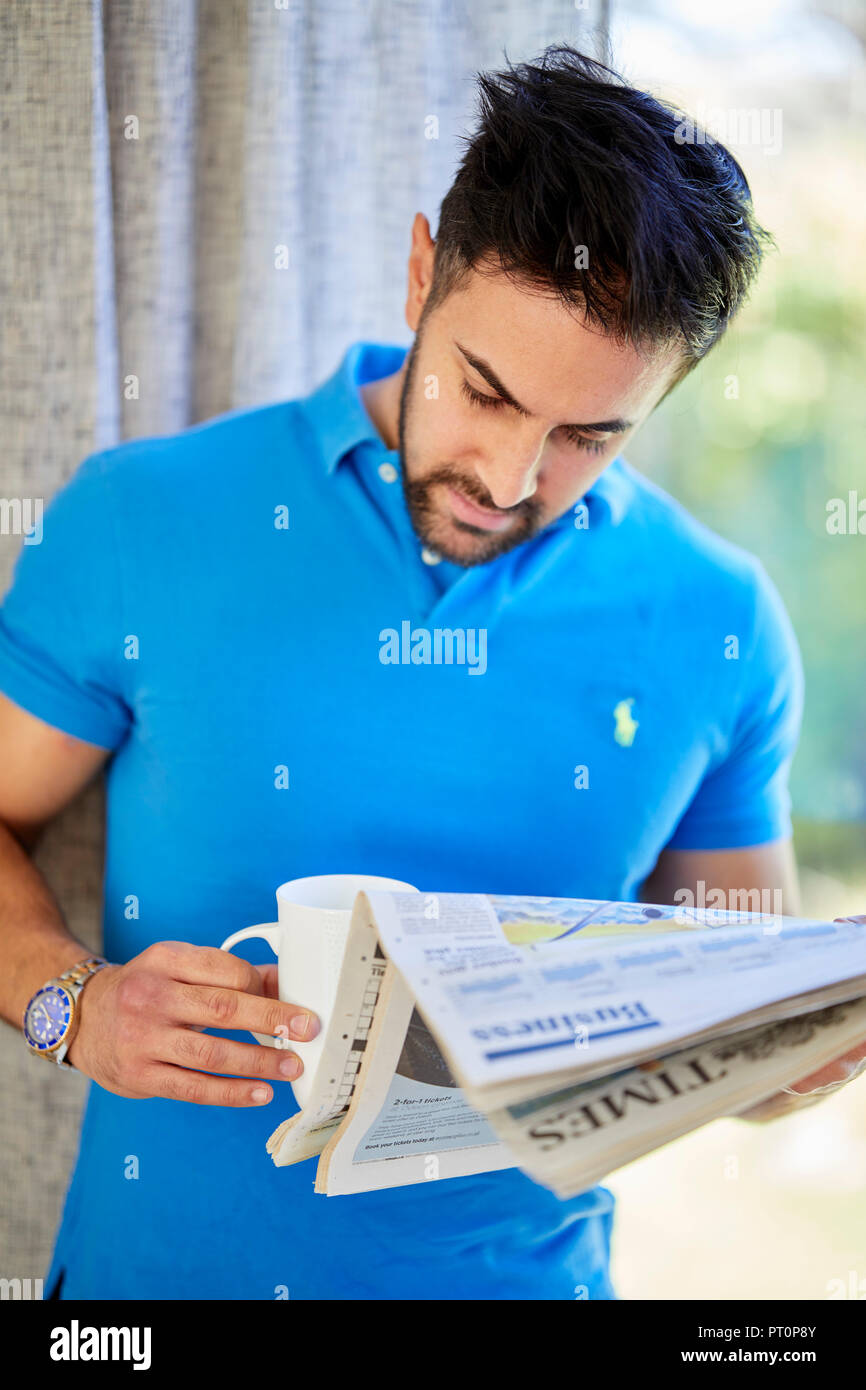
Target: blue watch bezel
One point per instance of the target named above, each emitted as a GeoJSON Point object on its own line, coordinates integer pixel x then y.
{"type": "Point", "coordinates": [32, 1041]}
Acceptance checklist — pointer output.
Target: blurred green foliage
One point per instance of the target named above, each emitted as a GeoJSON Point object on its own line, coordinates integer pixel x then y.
{"type": "Point", "coordinates": [770, 428]}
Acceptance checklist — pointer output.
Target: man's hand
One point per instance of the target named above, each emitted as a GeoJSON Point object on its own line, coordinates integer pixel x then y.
{"type": "Point", "coordinates": [140, 1030]}
{"type": "Point", "coordinates": [818, 1084]}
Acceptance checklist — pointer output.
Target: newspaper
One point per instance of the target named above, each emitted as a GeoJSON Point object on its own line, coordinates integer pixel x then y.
{"type": "Point", "coordinates": [472, 1032]}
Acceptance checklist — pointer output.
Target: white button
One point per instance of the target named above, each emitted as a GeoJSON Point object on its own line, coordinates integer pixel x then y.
{"type": "Point", "coordinates": [387, 472]}
{"type": "Point", "coordinates": [430, 557]}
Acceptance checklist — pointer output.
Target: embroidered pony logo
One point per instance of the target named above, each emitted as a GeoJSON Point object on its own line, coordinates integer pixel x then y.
{"type": "Point", "coordinates": [626, 727]}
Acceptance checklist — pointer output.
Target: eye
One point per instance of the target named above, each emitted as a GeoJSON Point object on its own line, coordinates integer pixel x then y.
{"type": "Point", "coordinates": [478, 398]}
{"type": "Point", "coordinates": [590, 446]}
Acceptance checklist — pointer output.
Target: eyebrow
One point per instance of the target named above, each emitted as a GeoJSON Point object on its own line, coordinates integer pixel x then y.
{"type": "Point", "coordinates": [617, 426]}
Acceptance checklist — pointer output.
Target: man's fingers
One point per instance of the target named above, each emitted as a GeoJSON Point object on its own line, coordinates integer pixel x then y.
{"type": "Point", "coordinates": [176, 1083]}
{"type": "Point", "coordinates": [836, 1073]}
{"type": "Point", "coordinates": [270, 977]}
{"type": "Point", "coordinates": [209, 1006]}
{"type": "Point", "coordinates": [202, 965]}
{"type": "Point", "coordinates": [185, 1047]}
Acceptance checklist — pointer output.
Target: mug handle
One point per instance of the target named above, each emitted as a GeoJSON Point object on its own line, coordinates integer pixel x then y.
{"type": "Point", "coordinates": [269, 932]}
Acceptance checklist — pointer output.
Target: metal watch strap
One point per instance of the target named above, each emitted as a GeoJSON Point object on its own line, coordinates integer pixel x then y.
{"type": "Point", "coordinates": [74, 979]}
{"type": "Point", "coordinates": [81, 971]}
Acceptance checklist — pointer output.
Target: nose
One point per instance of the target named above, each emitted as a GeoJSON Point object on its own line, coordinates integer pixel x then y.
{"type": "Point", "coordinates": [509, 480]}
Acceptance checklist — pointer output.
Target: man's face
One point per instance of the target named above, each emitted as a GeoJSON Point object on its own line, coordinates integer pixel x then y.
{"type": "Point", "coordinates": [510, 409]}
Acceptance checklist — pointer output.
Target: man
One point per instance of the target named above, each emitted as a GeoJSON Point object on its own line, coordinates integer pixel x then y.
{"type": "Point", "coordinates": [210, 617]}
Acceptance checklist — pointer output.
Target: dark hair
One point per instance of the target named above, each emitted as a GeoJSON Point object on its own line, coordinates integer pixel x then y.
{"type": "Point", "coordinates": [567, 155]}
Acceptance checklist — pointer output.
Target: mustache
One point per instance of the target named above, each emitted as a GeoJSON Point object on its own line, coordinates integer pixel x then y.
{"type": "Point", "coordinates": [471, 488]}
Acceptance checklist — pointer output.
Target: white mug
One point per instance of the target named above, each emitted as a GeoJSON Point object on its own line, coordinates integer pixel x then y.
{"type": "Point", "coordinates": [309, 940]}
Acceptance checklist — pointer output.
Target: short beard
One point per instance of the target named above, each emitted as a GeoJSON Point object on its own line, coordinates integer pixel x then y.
{"type": "Point", "coordinates": [423, 513]}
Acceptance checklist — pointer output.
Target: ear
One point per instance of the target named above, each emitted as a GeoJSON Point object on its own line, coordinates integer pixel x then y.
{"type": "Point", "coordinates": [421, 257]}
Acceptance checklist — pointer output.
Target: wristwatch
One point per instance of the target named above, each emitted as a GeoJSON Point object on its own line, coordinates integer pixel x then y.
{"type": "Point", "coordinates": [51, 1017]}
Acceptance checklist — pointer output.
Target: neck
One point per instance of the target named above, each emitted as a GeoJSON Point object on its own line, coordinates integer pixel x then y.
{"type": "Point", "coordinates": [382, 403]}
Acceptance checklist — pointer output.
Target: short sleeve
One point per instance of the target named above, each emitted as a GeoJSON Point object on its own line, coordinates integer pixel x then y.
{"type": "Point", "coordinates": [744, 798]}
{"type": "Point", "coordinates": [61, 637]}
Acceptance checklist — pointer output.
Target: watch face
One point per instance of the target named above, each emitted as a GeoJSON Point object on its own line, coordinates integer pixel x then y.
{"type": "Point", "coordinates": [47, 1018]}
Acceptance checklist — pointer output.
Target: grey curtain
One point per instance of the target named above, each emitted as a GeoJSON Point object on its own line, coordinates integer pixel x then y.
{"type": "Point", "coordinates": [202, 202]}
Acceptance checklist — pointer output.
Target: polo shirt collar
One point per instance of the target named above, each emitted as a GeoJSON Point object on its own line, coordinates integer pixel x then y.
{"type": "Point", "coordinates": [613, 489]}
{"type": "Point", "coordinates": [336, 410]}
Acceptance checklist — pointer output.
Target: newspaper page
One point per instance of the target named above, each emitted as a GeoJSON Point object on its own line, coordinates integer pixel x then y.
{"type": "Point", "coordinates": [616, 988]}
{"type": "Point", "coordinates": [347, 1034]}
{"type": "Point", "coordinates": [565, 1003]}
{"type": "Point", "coordinates": [570, 1139]}
{"type": "Point", "coordinates": [407, 1120]}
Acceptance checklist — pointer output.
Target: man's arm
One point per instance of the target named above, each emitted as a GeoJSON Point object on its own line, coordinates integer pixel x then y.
{"type": "Point", "coordinates": [769, 868]}
{"type": "Point", "coordinates": [41, 771]}
{"type": "Point", "coordinates": [141, 1029]}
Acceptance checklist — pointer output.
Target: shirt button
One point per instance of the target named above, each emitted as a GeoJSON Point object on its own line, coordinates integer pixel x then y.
{"type": "Point", "coordinates": [430, 557]}
{"type": "Point", "coordinates": [387, 472]}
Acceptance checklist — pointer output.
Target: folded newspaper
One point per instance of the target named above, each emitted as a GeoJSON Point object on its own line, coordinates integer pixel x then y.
{"type": "Point", "coordinates": [474, 1032]}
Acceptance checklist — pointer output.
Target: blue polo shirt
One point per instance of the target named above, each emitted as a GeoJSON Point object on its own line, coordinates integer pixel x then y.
{"type": "Point", "coordinates": [211, 608]}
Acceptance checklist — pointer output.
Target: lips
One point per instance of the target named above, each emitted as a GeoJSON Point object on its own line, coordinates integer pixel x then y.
{"type": "Point", "coordinates": [485, 518]}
